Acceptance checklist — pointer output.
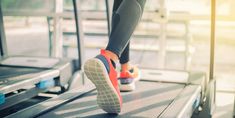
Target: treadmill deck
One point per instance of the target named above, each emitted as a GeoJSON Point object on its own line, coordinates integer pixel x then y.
{"type": "Point", "coordinates": [150, 99]}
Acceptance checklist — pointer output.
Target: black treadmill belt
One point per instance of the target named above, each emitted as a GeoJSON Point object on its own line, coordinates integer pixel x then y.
{"type": "Point", "coordinates": [149, 100]}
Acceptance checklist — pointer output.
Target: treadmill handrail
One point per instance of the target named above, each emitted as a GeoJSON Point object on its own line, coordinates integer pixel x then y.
{"type": "Point", "coordinates": [79, 34]}
{"type": "Point", "coordinates": [3, 46]}
{"type": "Point", "coordinates": [212, 38]}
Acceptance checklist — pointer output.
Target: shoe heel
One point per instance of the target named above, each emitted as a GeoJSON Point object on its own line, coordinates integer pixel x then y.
{"type": "Point", "coordinates": [107, 97]}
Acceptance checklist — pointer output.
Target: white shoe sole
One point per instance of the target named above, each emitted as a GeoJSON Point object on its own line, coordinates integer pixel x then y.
{"type": "Point", "coordinates": [107, 98]}
{"type": "Point", "coordinates": [127, 87]}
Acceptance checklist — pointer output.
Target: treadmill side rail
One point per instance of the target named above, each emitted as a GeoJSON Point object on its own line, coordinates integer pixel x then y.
{"type": "Point", "coordinates": [184, 104]}
{"type": "Point", "coordinates": [16, 83]}
{"type": "Point", "coordinates": [199, 78]}
{"type": "Point", "coordinates": [66, 71]}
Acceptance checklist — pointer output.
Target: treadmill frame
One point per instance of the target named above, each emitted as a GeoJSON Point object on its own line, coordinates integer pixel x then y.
{"type": "Point", "coordinates": [189, 99]}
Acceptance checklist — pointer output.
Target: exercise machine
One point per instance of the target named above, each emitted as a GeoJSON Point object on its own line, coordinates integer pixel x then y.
{"type": "Point", "coordinates": [25, 77]}
{"type": "Point", "coordinates": [159, 93]}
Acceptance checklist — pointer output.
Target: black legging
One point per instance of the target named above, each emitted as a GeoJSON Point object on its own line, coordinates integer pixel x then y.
{"type": "Point", "coordinates": [125, 17]}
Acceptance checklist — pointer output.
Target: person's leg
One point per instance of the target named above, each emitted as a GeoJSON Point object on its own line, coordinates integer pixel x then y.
{"type": "Point", "coordinates": [129, 73]}
{"type": "Point", "coordinates": [101, 69]}
{"type": "Point", "coordinates": [124, 58]}
{"type": "Point", "coordinates": [126, 15]}
{"type": "Point", "coordinates": [116, 5]}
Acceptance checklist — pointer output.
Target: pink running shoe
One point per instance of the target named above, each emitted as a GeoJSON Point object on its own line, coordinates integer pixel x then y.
{"type": "Point", "coordinates": [101, 71]}
{"type": "Point", "coordinates": [128, 79]}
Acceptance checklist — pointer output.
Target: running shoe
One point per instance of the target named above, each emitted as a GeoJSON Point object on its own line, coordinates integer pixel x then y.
{"type": "Point", "coordinates": [101, 71]}
{"type": "Point", "coordinates": [128, 79]}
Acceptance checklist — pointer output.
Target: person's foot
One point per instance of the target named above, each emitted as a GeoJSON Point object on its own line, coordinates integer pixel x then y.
{"type": "Point", "coordinates": [101, 71]}
{"type": "Point", "coordinates": [128, 79]}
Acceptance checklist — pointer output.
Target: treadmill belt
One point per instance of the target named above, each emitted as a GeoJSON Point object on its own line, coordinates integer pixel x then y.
{"type": "Point", "coordinates": [150, 99]}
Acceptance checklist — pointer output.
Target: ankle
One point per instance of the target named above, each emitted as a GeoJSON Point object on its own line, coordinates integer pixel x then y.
{"type": "Point", "coordinates": [125, 67]}
{"type": "Point", "coordinates": [111, 55]}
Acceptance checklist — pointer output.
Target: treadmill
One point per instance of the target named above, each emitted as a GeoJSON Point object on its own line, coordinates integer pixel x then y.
{"type": "Point", "coordinates": [25, 77]}
{"type": "Point", "coordinates": [159, 93]}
